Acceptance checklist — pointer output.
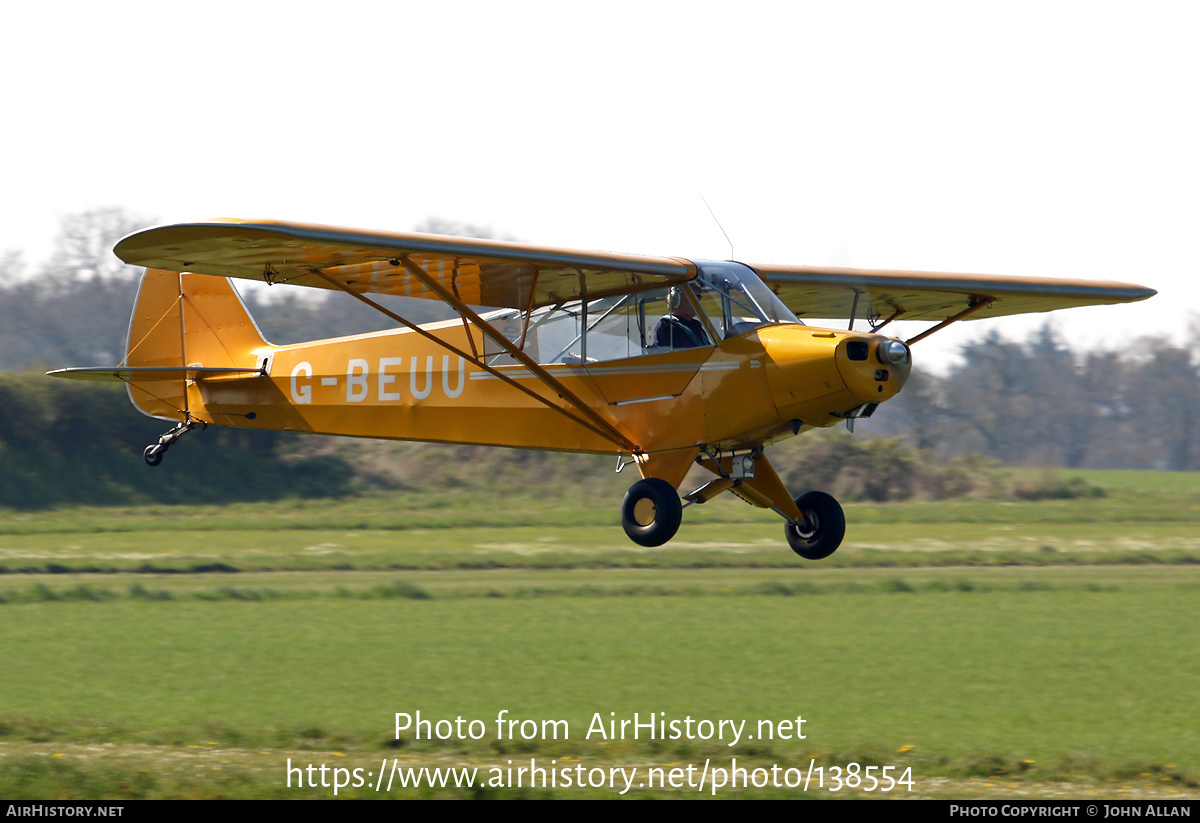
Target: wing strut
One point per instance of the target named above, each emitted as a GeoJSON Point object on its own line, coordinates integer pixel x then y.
{"type": "Point", "coordinates": [550, 380]}
{"type": "Point", "coordinates": [976, 305]}
{"type": "Point", "coordinates": [609, 434]}
{"type": "Point", "coordinates": [875, 328]}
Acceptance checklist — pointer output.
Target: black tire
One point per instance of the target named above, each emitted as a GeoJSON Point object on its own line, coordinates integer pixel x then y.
{"type": "Point", "coordinates": [824, 527]}
{"type": "Point", "coordinates": [153, 455]}
{"type": "Point", "coordinates": [651, 512]}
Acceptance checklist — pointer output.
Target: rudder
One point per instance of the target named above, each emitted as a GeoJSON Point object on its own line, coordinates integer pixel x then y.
{"type": "Point", "coordinates": [182, 319]}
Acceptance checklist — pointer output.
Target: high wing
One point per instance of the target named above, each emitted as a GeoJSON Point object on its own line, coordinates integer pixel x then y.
{"type": "Point", "coordinates": [477, 272]}
{"type": "Point", "coordinates": [837, 293]}
{"type": "Point", "coordinates": [499, 274]}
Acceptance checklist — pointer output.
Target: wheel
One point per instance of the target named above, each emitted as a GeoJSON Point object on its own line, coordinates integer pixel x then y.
{"type": "Point", "coordinates": [823, 528]}
{"type": "Point", "coordinates": [153, 455]}
{"type": "Point", "coordinates": [651, 512]}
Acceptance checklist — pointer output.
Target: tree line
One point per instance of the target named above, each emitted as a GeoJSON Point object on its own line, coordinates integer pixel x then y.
{"type": "Point", "coordinates": [1039, 402]}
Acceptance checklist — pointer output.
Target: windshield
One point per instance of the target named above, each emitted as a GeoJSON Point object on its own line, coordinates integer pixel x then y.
{"type": "Point", "coordinates": [736, 299]}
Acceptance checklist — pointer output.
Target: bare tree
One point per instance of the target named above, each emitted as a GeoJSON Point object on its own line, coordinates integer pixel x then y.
{"type": "Point", "coordinates": [457, 228]}
{"type": "Point", "coordinates": [1163, 396]}
{"type": "Point", "coordinates": [85, 293]}
{"type": "Point", "coordinates": [83, 250]}
{"type": "Point", "coordinates": [12, 264]}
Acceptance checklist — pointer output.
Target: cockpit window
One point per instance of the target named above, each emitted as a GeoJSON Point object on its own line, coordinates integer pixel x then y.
{"type": "Point", "coordinates": [654, 321]}
{"type": "Point", "coordinates": [736, 300]}
{"type": "Point", "coordinates": [578, 332]}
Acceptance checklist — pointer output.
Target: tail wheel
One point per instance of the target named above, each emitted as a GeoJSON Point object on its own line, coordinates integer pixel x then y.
{"type": "Point", "coordinates": [823, 528]}
{"type": "Point", "coordinates": [651, 512]}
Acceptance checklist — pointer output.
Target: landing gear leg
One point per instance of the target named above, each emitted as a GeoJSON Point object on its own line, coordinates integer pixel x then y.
{"type": "Point", "coordinates": [651, 512]}
{"type": "Point", "coordinates": [153, 454]}
{"type": "Point", "coordinates": [823, 528]}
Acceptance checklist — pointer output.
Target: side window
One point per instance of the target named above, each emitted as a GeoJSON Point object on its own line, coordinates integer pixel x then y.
{"type": "Point", "coordinates": [557, 333]}
{"type": "Point", "coordinates": [720, 311]}
{"type": "Point", "coordinates": [614, 328]}
{"type": "Point", "coordinates": [617, 327]}
{"type": "Point", "coordinates": [605, 328]}
{"type": "Point", "coordinates": [510, 323]}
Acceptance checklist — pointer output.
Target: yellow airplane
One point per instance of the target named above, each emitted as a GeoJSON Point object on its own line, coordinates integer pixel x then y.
{"type": "Point", "coordinates": [665, 362]}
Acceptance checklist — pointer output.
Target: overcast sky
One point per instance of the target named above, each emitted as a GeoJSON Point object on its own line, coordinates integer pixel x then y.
{"type": "Point", "coordinates": [1033, 138]}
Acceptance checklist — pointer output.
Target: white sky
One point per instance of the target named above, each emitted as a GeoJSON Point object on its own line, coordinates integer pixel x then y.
{"type": "Point", "coordinates": [1015, 138]}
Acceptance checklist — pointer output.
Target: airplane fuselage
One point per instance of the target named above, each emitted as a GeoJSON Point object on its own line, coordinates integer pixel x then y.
{"type": "Point", "coordinates": [748, 389]}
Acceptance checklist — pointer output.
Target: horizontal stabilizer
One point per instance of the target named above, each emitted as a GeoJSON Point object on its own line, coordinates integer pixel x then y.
{"type": "Point", "coordinates": [118, 374]}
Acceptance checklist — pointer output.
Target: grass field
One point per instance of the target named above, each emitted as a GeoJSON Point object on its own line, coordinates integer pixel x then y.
{"type": "Point", "coordinates": [1031, 649]}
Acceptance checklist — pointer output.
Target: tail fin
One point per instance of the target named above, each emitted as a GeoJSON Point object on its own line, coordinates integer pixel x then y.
{"type": "Point", "coordinates": [186, 320]}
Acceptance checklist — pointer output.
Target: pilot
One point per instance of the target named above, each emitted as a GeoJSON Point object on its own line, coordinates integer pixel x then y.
{"type": "Point", "coordinates": [680, 329]}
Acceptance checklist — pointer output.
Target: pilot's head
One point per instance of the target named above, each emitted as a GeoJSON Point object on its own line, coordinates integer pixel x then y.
{"type": "Point", "coordinates": [680, 305]}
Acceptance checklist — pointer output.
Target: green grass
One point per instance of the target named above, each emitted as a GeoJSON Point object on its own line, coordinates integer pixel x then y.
{"type": "Point", "coordinates": [1134, 524]}
{"type": "Point", "coordinates": [1048, 654]}
{"type": "Point", "coordinates": [1036, 674]}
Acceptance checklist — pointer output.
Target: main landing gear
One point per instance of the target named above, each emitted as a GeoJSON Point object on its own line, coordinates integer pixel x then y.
{"type": "Point", "coordinates": [153, 454]}
{"type": "Point", "coordinates": [823, 528]}
{"type": "Point", "coordinates": [652, 510]}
